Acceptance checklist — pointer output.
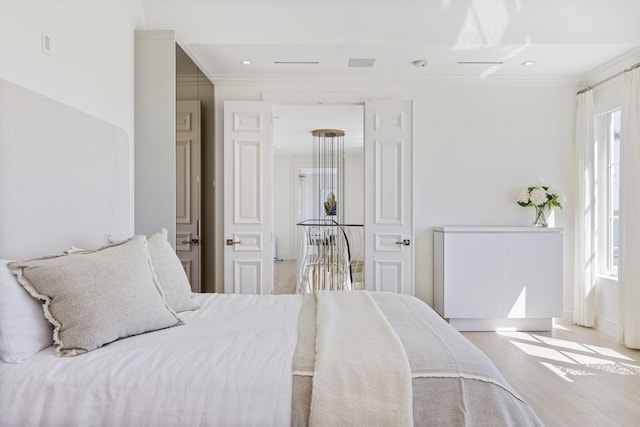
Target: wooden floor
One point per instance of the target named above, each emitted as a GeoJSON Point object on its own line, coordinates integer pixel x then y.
{"type": "Point", "coordinates": [571, 376]}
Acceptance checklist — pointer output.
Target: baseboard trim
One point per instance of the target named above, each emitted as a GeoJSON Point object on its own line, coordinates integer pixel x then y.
{"type": "Point", "coordinates": [608, 325]}
{"type": "Point", "coordinates": [502, 324]}
{"type": "Point", "coordinates": [604, 324]}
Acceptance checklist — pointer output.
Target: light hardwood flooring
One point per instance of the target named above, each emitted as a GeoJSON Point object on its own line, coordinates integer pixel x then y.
{"type": "Point", "coordinates": [571, 376]}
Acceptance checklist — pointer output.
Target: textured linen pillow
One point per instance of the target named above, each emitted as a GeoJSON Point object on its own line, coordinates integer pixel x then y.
{"type": "Point", "coordinates": [95, 297]}
{"type": "Point", "coordinates": [169, 271]}
{"type": "Point", "coordinates": [23, 329]}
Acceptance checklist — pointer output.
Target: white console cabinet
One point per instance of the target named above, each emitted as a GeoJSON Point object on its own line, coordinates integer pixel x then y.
{"type": "Point", "coordinates": [498, 278]}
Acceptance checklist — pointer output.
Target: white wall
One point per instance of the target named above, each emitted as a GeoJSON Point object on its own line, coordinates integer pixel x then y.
{"type": "Point", "coordinates": [284, 213]}
{"type": "Point", "coordinates": [354, 188]}
{"type": "Point", "coordinates": [477, 143]}
{"type": "Point", "coordinates": [476, 146]}
{"type": "Point", "coordinates": [155, 132]}
{"type": "Point", "coordinates": [91, 64]}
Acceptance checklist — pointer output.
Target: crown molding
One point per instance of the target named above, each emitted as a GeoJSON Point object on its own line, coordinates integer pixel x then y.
{"type": "Point", "coordinates": [612, 67]}
{"type": "Point", "coordinates": [232, 80]}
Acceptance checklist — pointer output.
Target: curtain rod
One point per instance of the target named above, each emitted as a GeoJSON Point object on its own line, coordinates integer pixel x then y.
{"type": "Point", "coordinates": [633, 67]}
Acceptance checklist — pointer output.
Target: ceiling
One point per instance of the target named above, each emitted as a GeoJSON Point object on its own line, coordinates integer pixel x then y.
{"type": "Point", "coordinates": [315, 39]}
{"type": "Point", "coordinates": [469, 38]}
{"type": "Point", "coordinates": [292, 126]}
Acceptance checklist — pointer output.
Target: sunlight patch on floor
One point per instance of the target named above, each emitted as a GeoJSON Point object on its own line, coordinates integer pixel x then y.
{"type": "Point", "coordinates": [568, 359]}
{"type": "Point", "coordinates": [543, 352]}
{"type": "Point", "coordinates": [564, 372]}
{"type": "Point", "coordinates": [608, 352]}
{"type": "Point", "coordinates": [563, 343]}
{"type": "Point", "coordinates": [560, 327]}
{"type": "Point", "coordinates": [586, 360]}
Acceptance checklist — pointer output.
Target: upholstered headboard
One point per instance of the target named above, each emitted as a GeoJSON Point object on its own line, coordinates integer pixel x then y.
{"type": "Point", "coordinates": [65, 176]}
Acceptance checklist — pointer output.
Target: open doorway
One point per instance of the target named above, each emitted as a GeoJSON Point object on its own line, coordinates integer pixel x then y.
{"type": "Point", "coordinates": [292, 168]}
{"type": "Point", "coordinates": [249, 186]}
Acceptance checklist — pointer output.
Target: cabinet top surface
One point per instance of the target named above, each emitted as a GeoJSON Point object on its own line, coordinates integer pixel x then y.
{"type": "Point", "coordinates": [497, 229]}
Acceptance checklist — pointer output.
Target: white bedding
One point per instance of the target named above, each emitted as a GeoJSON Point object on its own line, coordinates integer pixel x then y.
{"type": "Point", "coordinates": [237, 372]}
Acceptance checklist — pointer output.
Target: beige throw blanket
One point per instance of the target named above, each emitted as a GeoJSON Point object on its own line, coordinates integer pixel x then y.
{"type": "Point", "coordinates": [362, 375]}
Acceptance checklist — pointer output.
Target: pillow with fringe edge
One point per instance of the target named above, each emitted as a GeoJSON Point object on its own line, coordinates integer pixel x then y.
{"type": "Point", "coordinates": [98, 296]}
{"type": "Point", "coordinates": [169, 271]}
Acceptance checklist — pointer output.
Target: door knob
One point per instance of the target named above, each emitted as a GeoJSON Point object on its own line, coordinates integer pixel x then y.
{"type": "Point", "coordinates": [191, 242]}
{"type": "Point", "coordinates": [405, 242]}
{"type": "Point", "coordinates": [231, 242]}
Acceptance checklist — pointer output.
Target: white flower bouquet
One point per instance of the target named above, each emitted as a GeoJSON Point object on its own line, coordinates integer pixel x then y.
{"type": "Point", "coordinates": [541, 197]}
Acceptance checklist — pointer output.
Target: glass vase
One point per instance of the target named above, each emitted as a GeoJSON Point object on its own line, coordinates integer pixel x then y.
{"type": "Point", "coordinates": [540, 219]}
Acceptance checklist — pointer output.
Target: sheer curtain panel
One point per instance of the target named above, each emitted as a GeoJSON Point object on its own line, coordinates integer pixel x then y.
{"type": "Point", "coordinates": [629, 262]}
{"type": "Point", "coordinates": [585, 268]}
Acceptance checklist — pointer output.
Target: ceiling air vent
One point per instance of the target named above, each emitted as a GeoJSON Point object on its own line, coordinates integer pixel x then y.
{"type": "Point", "coordinates": [480, 62]}
{"type": "Point", "coordinates": [361, 62]}
{"type": "Point", "coordinates": [297, 62]}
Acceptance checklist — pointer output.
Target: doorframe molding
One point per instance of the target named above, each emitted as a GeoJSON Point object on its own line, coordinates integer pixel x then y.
{"type": "Point", "coordinates": [309, 98]}
{"type": "Point", "coordinates": [195, 178]}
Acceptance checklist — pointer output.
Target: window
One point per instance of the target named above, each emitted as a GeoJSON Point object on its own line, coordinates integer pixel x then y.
{"type": "Point", "coordinates": [608, 140]}
{"type": "Point", "coordinates": [613, 189]}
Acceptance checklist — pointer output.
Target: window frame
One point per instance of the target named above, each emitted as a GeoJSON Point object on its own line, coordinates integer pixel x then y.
{"type": "Point", "coordinates": [606, 167]}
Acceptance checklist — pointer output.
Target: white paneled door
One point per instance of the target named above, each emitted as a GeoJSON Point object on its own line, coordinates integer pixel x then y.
{"type": "Point", "coordinates": [389, 254]}
{"type": "Point", "coordinates": [188, 243]}
{"type": "Point", "coordinates": [388, 151]}
{"type": "Point", "coordinates": [248, 258]}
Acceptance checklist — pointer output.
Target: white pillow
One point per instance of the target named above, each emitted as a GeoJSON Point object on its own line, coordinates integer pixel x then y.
{"type": "Point", "coordinates": [169, 271]}
{"type": "Point", "coordinates": [95, 297]}
{"type": "Point", "coordinates": [24, 331]}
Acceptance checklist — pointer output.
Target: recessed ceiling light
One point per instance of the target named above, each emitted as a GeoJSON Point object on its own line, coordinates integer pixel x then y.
{"type": "Point", "coordinates": [528, 62]}
{"type": "Point", "coordinates": [245, 62]}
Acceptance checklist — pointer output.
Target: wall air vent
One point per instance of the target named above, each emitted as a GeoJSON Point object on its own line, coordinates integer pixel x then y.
{"type": "Point", "coordinates": [361, 62]}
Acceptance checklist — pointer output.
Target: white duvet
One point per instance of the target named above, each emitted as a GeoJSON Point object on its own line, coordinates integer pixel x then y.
{"type": "Point", "coordinates": [219, 368]}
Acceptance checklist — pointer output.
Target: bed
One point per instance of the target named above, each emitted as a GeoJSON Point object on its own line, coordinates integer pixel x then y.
{"type": "Point", "coordinates": [231, 363]}
{"type": "Point", "coordinates": [112, 335]}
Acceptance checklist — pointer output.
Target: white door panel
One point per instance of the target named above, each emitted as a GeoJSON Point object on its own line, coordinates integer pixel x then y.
{"type": "Point", "coordinates": [247, 160]}
{"type": "Point", "coordinates": [248, 276]}
{"type": "Point", "coordinates": [389, 276]}
{"type": "Point", "coordinates": [389, 196]}
{"type": "Point", "coordinates": [248, 258]}
{"type": "Point", "coordinates": [388, 184]}
{"type": "Point", "coordinates": [188, 224]}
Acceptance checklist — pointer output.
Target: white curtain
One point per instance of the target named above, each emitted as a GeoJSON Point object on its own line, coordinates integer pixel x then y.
{"type": "Point", "coordinates": [629, 261]}
{"type": "Point", "coordinates": [585, 267]}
